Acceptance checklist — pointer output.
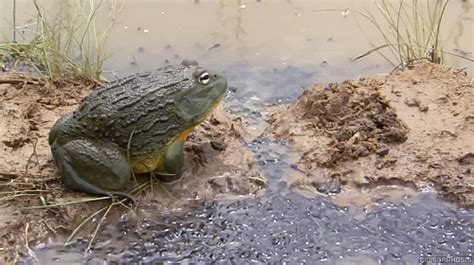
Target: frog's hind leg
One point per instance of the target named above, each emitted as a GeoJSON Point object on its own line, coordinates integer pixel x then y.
{"type": "Point", "coordinates": [57, 127]}
{"type": "Point", "coordinates": [91, 167]}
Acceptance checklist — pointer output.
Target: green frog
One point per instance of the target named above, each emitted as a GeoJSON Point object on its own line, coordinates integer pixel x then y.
{"type": "Point", "coordinates": [135, 124]}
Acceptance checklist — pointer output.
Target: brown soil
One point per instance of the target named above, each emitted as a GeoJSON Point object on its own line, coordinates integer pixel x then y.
{"type": "Point", "coordinates": [414, 128]}
{"type": "Point", "coordinates": [216, 164]}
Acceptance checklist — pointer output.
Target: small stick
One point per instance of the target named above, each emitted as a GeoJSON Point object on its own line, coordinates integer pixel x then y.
{"type": "Point", "coordinates": [18, 81]}
{"type": "Point", "coordinates": [31, 252]}
{"type": "Point", "coordinates": [31, 156]}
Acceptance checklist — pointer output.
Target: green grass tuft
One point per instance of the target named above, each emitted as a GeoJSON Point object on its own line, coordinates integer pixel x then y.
{"type": "Point", "coordinates": [68, 44]}
{"type": "Point", "coordinates": [410, 30]}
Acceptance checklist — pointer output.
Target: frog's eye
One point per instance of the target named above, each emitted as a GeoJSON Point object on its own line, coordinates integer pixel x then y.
{"type": "Point", "coordinates": [204, 78]}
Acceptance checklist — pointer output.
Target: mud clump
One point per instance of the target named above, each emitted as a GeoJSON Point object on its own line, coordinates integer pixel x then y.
{"type": "Point", "coordinates": [216, 164]}
{"type": "Point", "coordinates": [353, 116]}
{"type": "Point", "coordinates": [413, 127]}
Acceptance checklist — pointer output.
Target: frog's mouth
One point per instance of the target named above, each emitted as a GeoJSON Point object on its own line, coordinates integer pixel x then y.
{"type": "Point", "coordinates": [196, 107]}
{"type": "Point", "coordinates": [206, 114]}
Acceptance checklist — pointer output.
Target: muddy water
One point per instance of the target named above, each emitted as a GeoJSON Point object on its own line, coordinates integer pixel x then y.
{"type": "Point", "coordinates": [270, 51]}
{"type": "Point", "coordinates": [275, 33]}
{"type": "Point", "coordinates": [269, 33]}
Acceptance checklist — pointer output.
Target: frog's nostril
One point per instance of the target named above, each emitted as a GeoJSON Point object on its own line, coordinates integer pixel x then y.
{"type": "Point", "coordinates": [214, 75]}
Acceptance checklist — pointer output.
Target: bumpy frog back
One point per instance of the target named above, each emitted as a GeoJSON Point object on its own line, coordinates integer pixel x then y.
{"type": "Point", "coordinates": [140, 106]}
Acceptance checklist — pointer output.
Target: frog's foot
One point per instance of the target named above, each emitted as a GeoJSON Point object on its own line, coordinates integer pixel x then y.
{"type": "Point", "coordinates": [168, 178]}
{"type": "Point", "coordinates": [92, 167]}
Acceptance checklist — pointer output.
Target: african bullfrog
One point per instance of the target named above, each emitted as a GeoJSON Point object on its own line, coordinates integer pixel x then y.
{"type": "Point", "coordinates": [136, 124]}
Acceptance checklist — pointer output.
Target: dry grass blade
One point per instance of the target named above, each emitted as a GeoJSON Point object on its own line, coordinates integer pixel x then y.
{"type": "Point", "coordinates": [14, 20]}
{"type": "Point", "coordinates": [261, 179]}
{"type": "Point", "coordinates": [136, 190]}
{"type": "Point", "coordinates": [128, 156]}
{"type": "Point", "coordinates": [371, 51]}
{"type": "Point", "coordinates": [163, 188]}
{"type": "Point", "coordinates": [74, 201]}
{"type": "Point", "coordinates": [76, 230]}
{"type": "Point", "coordinates": [7, 199]}
{"type": "Point", "coordinates": [311, 190]}
{"type": "Point", "coordinates": [101, 221]}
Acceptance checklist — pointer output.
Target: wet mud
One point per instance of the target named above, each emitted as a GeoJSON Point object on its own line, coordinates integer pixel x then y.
{"type": "Point", "coordinates": [413, 128]}
{"type": "Point", "coordinates": [216, 164]}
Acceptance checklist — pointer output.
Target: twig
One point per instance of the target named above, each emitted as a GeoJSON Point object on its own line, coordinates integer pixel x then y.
{"type": "Point", "coordinates": [11, 175]}
{"type": "Point", "coordinates": [21, 191]}
{"type": "Point", "coordinates": [32, 254]}
{"type": "Point", "coordinates": [52, 231]}
{"type": "Point", "coordinates": [18, 81]}
{"type": "Point", "coordinates": [31, 156]}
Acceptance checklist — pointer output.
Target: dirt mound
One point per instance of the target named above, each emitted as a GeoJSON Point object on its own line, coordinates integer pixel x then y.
{"type": "Point", "coordinates": [353, 118]}
{"type": "Point", "coordinates": [413, 127]}
{"type": "Point", "coordinates": [216, 163]}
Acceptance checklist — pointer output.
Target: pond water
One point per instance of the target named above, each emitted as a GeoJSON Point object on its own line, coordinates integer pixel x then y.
{"type": "Point", "coordinates": [270, 51]}
{"type": "Point", "coordinates": [322, 35]}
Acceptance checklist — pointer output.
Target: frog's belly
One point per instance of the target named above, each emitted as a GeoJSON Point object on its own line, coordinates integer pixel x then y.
{"type": "Point", "coordinates": [152, 162]}
{"type": "Point", "coordinates": [147, 163]}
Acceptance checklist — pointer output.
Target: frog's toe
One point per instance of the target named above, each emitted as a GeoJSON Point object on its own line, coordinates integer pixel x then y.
{"type": "Point", "coordinates": [123, 195]}
{"type": "Point", "coordinates": [168, 177]}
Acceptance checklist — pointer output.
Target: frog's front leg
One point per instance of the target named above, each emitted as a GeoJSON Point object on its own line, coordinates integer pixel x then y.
{"type": "Point", "coordinates": [172, 166]}
{"type": "Point", "coordinates": [92, 167]}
